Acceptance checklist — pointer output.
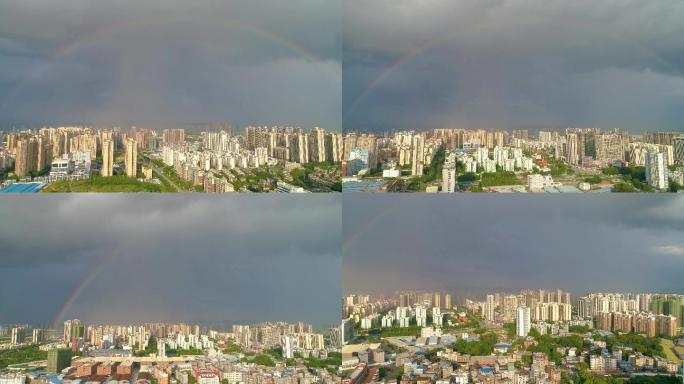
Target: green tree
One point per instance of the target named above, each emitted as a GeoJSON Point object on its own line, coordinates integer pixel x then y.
{"type": "Point", "coordinates": [21, 355]}
{"type": "Point", "coordinates": [467, 177]}
{"type": "Point", "coordinates": [483, 347]}
{"type": "Point", "coordinates": [510, 329]}
{"type": "Point", "coordinates": [264, 360]}
{"type": "Point", "coordinates": [657, 379]}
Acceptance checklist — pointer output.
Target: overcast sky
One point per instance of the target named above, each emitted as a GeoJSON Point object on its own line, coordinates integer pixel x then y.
{"type": "Point", "coordinates": [510, 63]}
{"type": "Point", "coordinates": [170, 62]}
{"type": "Point", "coordinates": [171, 258]}
{"type": "Point", "coordinates": [483, 243]}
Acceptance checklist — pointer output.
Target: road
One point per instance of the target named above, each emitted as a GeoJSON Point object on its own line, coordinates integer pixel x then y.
{"type": "Point", "coordinates": [162, 175]}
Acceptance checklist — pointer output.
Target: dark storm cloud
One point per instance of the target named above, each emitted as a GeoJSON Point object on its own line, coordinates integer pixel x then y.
{"type": "Point", "coordinates": [210, 260]}
{"type": "Point", "coordinates": [506, 63]}
{"type": "Point", "coordinates": [170, 62]}
{"type": "Point", "coordinates": [477, 243]}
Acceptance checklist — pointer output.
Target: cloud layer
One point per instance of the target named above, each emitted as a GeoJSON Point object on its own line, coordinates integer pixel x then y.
{"type": "Point", "coordinates": [505, 64]}
{"type": "Point", "coordinates": [473, 243]}
{"type": "Point", "coordinates": [170, 62]}
{"type": "Point", "coordinates": [184, 258]}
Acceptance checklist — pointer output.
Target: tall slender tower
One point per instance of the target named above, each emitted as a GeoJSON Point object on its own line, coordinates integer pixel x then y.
{"type": "Point", "coordinates": [447, 301]}
{"type": "Point", "coordinates": [489, 307]}
{"type": "Point", "coordinates": [107, 157]}
{"type": "Point", "coordinates": [522, 321]}
{"type": "Point", "coordinates": [417, 154]}
{"type": "Point", "coordinates": [131, 157]}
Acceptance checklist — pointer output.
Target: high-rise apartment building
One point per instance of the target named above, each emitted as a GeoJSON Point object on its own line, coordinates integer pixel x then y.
{"type": "Point", "coordinates": [489, 307]}
{"type": "Point", "coordinates": [17, 336]}
{"type": "Point", "coordinates": [57, 360]}
{"type": "Point", "coordinates": [449, 177]}
{"type": "Point", "coordinates": [131, 159]}
{"type": "Point", "coordinates": [656, 169]}
{"type": "Point", "coordinates": [174, 136]}
{"type": "Point", "coordinates": [573, 150]}
{"type": "Point", "coordinates": [404, 300]}
{"type": "Point", "coordinates": [678, 144]}
{"type": "Point", "coordinates": [522, 321]}
{"type": "Point", "coordinates": [37, 336]}
{"type": "Point", "coordinates": [107, 157]}
{"type": "Point", "coordinates": [317, 145]}
{"type": "Point", "coordinates": [288, 346]}
{"type": "Point", "coordinates": [417, 155]}
{"type": "Point", "coordinates": [27, 156]}
{"type": "Point", "coordinates": [609, 147]}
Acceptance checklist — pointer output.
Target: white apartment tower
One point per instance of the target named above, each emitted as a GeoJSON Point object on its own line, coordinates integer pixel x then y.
{"type": "Point", "coordinates": [656, 169]}
{"type": "Point", "coordinates": [288, 346]}
{"type": "Point", "coordinates": [522, 321]}
{"type": "Point", "coordinates": [490, 305]}
{"type": "Point", "coordinates": [449, 178]}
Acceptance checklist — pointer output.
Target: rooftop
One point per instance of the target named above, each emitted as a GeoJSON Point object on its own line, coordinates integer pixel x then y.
{"type": "Point", "coordinates": [22, 188]}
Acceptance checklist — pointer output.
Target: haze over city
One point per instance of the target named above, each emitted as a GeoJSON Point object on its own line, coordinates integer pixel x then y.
{"type": "Point", "coordinates": [170, 63]}
{"type": "Point", "coordinates": [481, 244]}
{"type": "Point", "coordinates": [510, 64]}
{"type": "Point", "coordinates": [115, 259]}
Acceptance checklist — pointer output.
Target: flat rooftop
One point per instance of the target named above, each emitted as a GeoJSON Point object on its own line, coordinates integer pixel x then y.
{"type": "Point", "coordinates": [22, 188]}
{"type": "Point", "coordinates": [134, 359]}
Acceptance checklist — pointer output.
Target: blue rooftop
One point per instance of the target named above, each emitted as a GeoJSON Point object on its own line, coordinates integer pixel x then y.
{"type": "Point", "coordinates": [22, 188]}
{"type": "Point", "coordinates": [367, 185]}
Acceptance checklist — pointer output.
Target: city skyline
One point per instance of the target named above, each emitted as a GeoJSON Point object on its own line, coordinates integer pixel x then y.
{"type": "Point", "coordinates": [191, 128]}
{"type": "Point", "coordinates": [127, 64]}
{"type": "Point", "coordinates": [541, 333]}
{"type": "Point", "coordinates": [204, 326]}
{"type": "Point", "coordinates": [508, 65]}
{"type": "Point", "coordinates": [109, 259]}
{"type": "Point", "coordinates": [531, 287]}
{"type": "Point", "coordinates": [258, 159]}
{"type": "Point", "coordinates": [522, 243]}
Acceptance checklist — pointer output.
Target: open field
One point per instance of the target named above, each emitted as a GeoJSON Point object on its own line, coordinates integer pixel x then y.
{"type": "Point", "coordinates": [669, 350]}
{"type": "Point", "coordinates": [103, 184]}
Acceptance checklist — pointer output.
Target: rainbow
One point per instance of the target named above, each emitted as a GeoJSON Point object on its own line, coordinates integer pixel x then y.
{"type": "Point", "coordinates": [79, 43]}
{"type": "Point", "coordinates": [362, 229]}
{"type": "Point", "coordinates": [73, 296]}
{"type": "Point", "coordinates": [407, 56]}
{"type": "Point", "coordinates": [424, 46]}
